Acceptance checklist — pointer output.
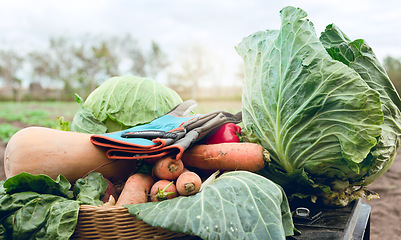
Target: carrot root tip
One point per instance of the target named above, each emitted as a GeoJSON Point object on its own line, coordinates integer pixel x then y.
{"type": "Point", "coordinates": [189, 187]}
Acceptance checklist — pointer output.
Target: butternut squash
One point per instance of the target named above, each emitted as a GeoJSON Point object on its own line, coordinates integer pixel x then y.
{"type": "Point", "coordinates": [39, 150]}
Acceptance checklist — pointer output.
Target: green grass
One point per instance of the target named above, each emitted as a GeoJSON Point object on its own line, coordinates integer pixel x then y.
{"type": "Point", "coordinates": [29, 116]}
{"type": "Point", "coordinates": [31, 112]}
{"type": "Point", "coordinates": [14, 116]}
{"type": "Point", "coordinates": [7, 131]}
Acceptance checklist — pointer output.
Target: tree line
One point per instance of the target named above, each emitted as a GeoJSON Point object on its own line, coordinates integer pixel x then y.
{"type": "Point", "coordinates": [392, 66]}
{"type": "Point", "coordinates": [79, 65]}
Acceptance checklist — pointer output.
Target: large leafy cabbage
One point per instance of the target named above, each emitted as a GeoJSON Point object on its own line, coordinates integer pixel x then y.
{"type": "Point", "coordinates": [324, 108]}
{"type": "Point", "coordinates": [123, 102]}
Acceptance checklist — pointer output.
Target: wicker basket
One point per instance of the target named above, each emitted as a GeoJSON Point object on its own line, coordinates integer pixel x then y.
{"type": "Point", "coordinates": [118, 223]}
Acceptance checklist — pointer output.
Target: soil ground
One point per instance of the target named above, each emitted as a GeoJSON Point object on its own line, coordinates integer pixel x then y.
{"type": "Point", "coordinates": [385, 212]}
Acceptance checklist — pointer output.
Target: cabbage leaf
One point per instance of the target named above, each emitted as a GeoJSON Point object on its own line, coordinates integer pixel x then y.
{"type": "Point", "coordinates": [360, 57]}
{"type": "Point", "coordinates": [237, 205]}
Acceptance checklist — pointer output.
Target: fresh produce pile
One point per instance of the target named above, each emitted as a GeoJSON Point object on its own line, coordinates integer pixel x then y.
{"type": "Point", "coordinates": [186, 194]}
{"type": "Point", "coordinates": [321, 120]}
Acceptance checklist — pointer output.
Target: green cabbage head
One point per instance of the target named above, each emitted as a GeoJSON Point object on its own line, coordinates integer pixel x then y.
{"type": "Point", "coordinates": [123, 102]}
{"type": "Point", "coordinates": [324, 108]}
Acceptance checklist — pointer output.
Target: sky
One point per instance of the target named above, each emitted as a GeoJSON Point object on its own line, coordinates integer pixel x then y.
{"type": "Point", "coordinates": [219, 25]}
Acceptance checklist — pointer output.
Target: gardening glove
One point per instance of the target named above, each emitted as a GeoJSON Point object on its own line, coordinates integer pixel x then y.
{"type": "Point", "coordinates": [171, 133]}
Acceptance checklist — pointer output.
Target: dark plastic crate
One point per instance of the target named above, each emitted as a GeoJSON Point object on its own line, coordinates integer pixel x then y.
{"type": "Point", "coordinates": [348, 223]}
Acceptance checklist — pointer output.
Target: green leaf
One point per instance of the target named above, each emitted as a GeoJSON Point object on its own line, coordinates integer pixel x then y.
{"type": "Point", "coordinates": [78, 99]}
{"type": "Point", "coordinates": [359, 56]}
{"type": "Point", "coordinates": [35, 207]}
{"type": "Point", "coordinates": [237, 205]}
{"type": "Point", "coordinates": [61, 222]}
{"type": "Point", "coordinates": [63, 125]}
{"type": "Point", "coordinates": [2, 189]}
{"type": "Point", "coordinates": [38, 183]}
{"type": "Point", "coordinates": [30, 217]}
{"type": "Point", "coordinates": [11, 203]}
{"type": "Point", "coordinates": [90, 190]}
{"type": "Point", "coordinates": [85, 122]}
{"type": "Point", "coordinates": [3, 233]}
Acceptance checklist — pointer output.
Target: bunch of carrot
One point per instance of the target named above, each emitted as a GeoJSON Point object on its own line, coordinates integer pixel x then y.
{"type": "Point", "coordinates": [168, 180]}
{"type": "Point", "coordinates": [170, 177]}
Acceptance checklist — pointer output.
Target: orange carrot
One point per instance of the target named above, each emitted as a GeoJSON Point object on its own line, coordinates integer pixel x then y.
{"type": "Point", "coordinates": [135, 190]}
{"type": "Point", "coordinates": [163, 190]}
{"type": "Point", "coordinates": [226, 156]}
{"type": "Point", "coordinates": [168, 168]}
{"type": "Point", "coordinates": [188, 183]}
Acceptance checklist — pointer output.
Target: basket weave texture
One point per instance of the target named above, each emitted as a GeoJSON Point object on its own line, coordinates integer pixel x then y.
{"type": "Point", "coordinates": [117, 223]}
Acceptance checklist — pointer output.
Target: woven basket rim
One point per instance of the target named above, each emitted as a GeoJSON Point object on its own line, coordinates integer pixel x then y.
{"type": "Point", "coordinates": [100, 207]}
{"type": "Point", "coordinates": [115, 222]}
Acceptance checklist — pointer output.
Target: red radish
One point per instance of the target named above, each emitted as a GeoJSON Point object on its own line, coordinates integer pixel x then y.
{"type": "Point", "coordinates": [110, 191]}
{"type": "Point", "coordinates": [163, 190]}
{"type": "Point", "coordinates": [136, 189]}
{"type": "Point", "coordinates": [168, 168]}
{"type": "Point", "coordinates": [188, 183]}
{"type": "Point", "coordinates": [226, 156]}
